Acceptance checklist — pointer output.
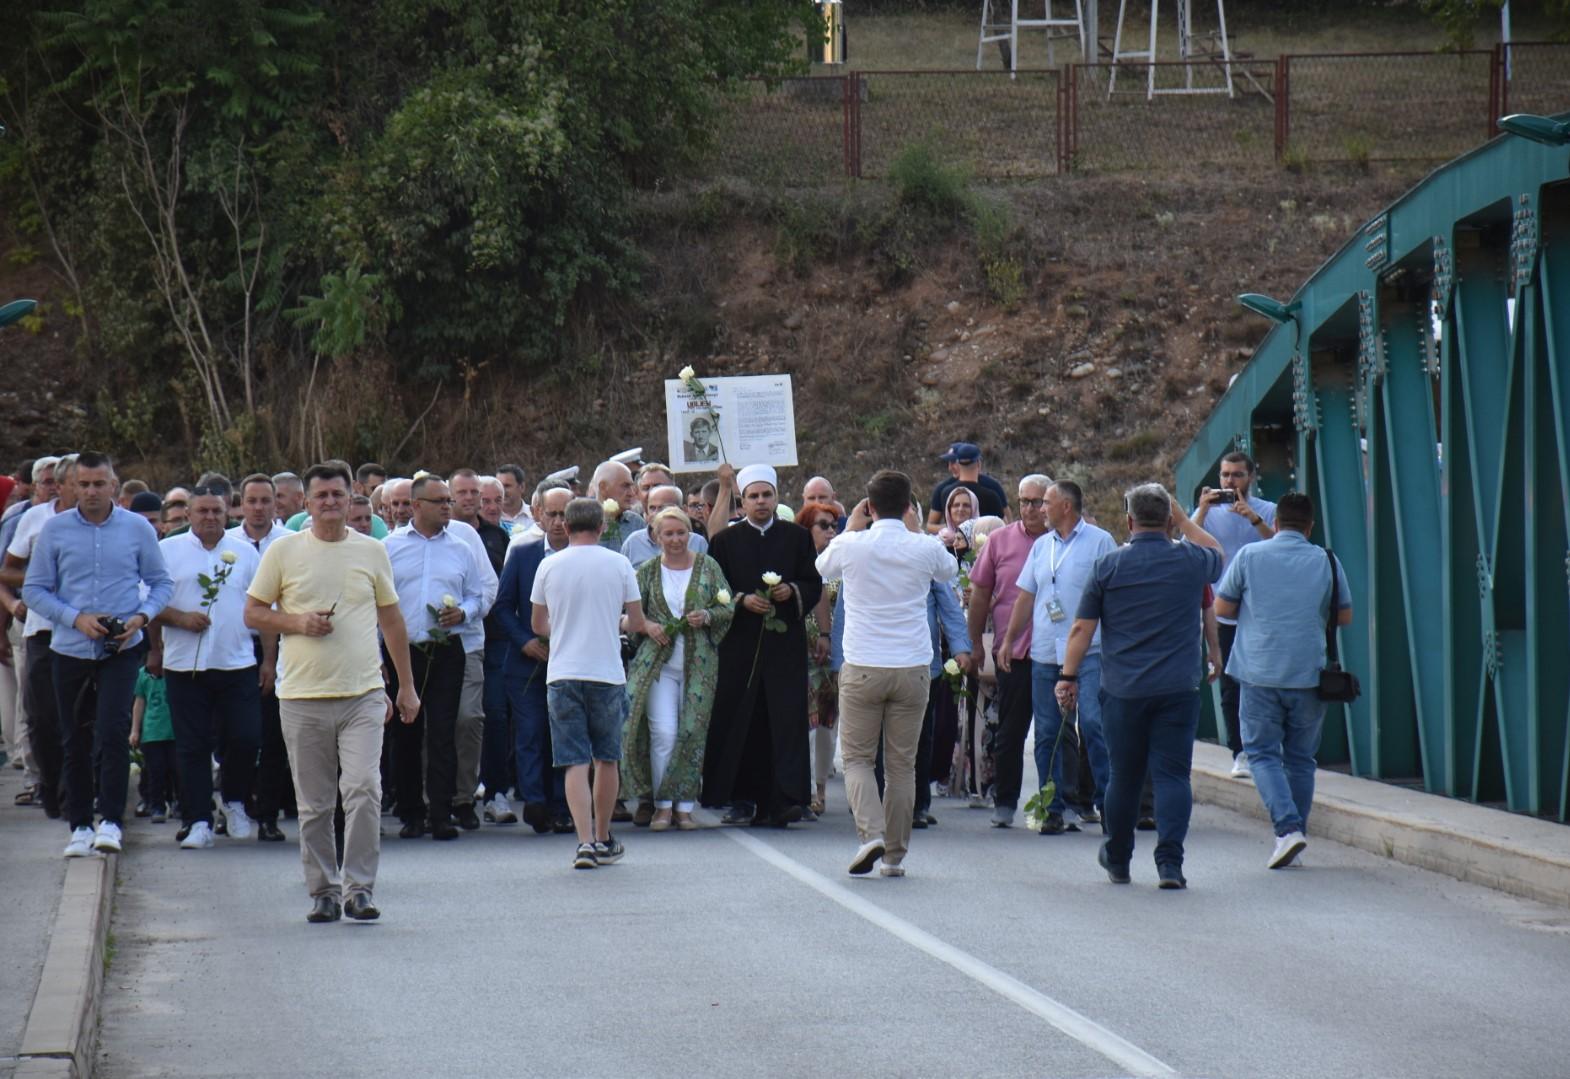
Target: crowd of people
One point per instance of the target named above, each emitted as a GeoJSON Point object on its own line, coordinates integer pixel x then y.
{"type": "Point", "coordinates": [344, 643]}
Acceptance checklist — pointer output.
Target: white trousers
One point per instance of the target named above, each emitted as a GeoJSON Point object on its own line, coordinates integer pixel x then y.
{"type": "Point", "coordinates": [664, 711]}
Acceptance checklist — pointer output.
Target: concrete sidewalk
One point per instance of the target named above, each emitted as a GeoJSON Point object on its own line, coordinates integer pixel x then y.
{"type": "Point", "coordinates": [54, 919]}
{"type": "Point", "coordinates": [1506, 851]}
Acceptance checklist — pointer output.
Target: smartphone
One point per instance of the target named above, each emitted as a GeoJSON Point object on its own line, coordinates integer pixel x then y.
{"type": "Point", "coordinates": [1228, 496]}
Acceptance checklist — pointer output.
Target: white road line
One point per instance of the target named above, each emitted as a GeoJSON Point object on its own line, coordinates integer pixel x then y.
{"type": "Point", "coordinates": [1086, 1031]}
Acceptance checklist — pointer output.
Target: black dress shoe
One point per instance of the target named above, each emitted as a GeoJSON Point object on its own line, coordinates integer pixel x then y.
{"type": "Point", "coordinates": [930, 819]}
{"type": "Point", "coordinates": [360, 908]}
{"type": "Point", "coordinates": [919, 820]}
{"type": "Point", "coordinates": [443, 829]}
{"type": "Point", "coordinates": [1146, 824]}
{"type": "Point", "coordinates": [784, 816]}
{"type": "Point", "coordinates": [537, 816]}
{"type": "Point", "coordinates": [740, 813]}
{"type": "Point", "coordinates": [267, 831]}
{"type": "Point", "coordinates": [325, 909]}
{"type": "Point", "coordinates": [1117, 874]}
{"type": "Point", "coordinates": [412, 829]}
{"type": "Point", "coordinates": [621, 814]}
{"type": "Point", "coordinates": [563, 825]}
{"type": "Point", "coordinates": [467, 818]}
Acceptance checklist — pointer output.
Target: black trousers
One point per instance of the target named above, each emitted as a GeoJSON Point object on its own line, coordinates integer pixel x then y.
{"type": "Point", "coordinates": [38, 686]}
{"type": "Point", "coordinates": [1230, 691]}
{"type": "Point", "coordinates": [93, 698]}
{"type": "Point", "coordinates": [437, 670]}
{"type": "Point", "coordinates": [215, 713]}
{"type": "Point", "coordinates": [1015, 718]}
{"type": "Point", "coordinates": [158, 786]}
{"type": "Point", "coordinates": [274, 785]}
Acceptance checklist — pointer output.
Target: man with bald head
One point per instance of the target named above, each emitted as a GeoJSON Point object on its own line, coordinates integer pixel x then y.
{"type": "Point", "coordinates": [613, 482]}
{"type": "Point", "coordinates": [398, 498]}
{"type": "Point", "coordinates": [818, 491]}
{"type": "Point", "coordinates": [640, 546]}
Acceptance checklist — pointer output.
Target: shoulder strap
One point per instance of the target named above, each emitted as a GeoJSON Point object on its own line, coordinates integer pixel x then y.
{"type": "Point", "coordinates": [1330, 615]}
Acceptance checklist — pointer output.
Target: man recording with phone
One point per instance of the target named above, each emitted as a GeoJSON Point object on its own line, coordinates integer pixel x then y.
{"type": "Point", "coordinates": [1236, 518]}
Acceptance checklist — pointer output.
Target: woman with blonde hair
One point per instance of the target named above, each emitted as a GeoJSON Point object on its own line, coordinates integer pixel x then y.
{"type": "Point", "coordinates": [671, 680]}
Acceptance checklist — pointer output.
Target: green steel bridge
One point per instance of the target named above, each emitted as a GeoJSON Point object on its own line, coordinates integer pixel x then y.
{"type": "Point", "coordinates": [1417, 386]}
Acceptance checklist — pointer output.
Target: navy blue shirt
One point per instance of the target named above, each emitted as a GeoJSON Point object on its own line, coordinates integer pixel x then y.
{"type": "Point", "coordinates": [1146, 595]}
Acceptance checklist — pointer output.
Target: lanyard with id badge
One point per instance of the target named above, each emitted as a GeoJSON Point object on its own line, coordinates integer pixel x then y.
{"type": "Point", "coordinates": [1055, 610]}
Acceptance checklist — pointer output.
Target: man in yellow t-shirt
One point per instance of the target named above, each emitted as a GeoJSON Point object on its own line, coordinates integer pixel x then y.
{"type": "Point", "coordinates": [333, 589]}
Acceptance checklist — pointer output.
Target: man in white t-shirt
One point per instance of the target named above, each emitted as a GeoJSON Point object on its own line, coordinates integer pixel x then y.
{"type": "Point", "coordinates": [212, 676]}
{"type": "Point", "coordinates": [583, 598]}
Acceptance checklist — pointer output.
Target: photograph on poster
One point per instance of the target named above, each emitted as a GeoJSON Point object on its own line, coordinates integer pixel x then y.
{"type": "Point", "coordinates": [743, 420]}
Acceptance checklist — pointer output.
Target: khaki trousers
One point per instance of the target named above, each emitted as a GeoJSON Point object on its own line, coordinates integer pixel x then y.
{"type": "Point", "coordinates": [470, 734]}
{"type": "Point", "coordinates": [335, 747]}
{"type": "Point", "coordinates": [886, 703]}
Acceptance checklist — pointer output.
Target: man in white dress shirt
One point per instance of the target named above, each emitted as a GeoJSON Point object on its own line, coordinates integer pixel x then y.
{"type": "Point", "coordinates": [888, 569]}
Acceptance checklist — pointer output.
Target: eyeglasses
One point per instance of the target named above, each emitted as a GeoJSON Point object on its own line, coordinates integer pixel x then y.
{"type": "Point", "coordinates": [824, 524]}
{"type": "Point", "coordinates": [435, 501]}
{"type": "Point", "coordinates": [1032, 503]}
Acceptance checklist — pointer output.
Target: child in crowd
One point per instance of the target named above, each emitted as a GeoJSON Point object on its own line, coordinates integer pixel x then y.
{"type": "Point", "coordinates": [152, 731]}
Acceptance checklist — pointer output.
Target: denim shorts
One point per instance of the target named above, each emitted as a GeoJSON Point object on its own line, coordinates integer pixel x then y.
{"type": "Point", "coordinates": [586, 721]}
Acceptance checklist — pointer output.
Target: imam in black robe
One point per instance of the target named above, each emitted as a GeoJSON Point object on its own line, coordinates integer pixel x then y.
{"type": "Point", "coordinates": [757, 749]}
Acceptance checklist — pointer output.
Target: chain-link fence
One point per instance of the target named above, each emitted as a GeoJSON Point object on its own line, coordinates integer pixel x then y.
{"type": "Point", "coordinates": [1000, 127]}
{"type": "Point", "coordinates": [1294, 109]}
{"type": "Point", "coordinates": [1387, 106]}
{"type": "Point", "coordinates": [1535, 77]}
{"type": "Point", "coordinates": [1157, 116]}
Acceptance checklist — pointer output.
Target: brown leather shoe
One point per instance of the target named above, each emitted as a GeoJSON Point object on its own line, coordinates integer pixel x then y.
{"type": "Point", "coordinates": [644, 815]}
{"type": "Point", "coordinates": [620, 814]}
{"type": "Point", "coordinates": [685, 823]}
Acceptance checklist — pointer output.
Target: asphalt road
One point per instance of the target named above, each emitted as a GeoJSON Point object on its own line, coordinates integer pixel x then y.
{"type": "Point", "coordinates": [733, 952]}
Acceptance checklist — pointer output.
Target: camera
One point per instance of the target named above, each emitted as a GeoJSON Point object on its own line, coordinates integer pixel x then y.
{"type": "Point", "coordinates": [1227, 497]}
{"type": "Point", "coordinates": [114, 627]}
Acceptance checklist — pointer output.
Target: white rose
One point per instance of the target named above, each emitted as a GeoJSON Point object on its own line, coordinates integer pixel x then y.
{"type": "Point", "coordinates": [981, 540]}
{"type": "Point", "coordinates": [771, 578]}
{"type": "Point", "coordinates": [449, 601]}
{"type": "Point", "coordinates": [227, 558]}
{"type": "Point", "coordinates": [722, 597]}
{"type": "Point", "coordinates": [420, 475]}
{"type": "Point", "coordinates": [952, 667]}
{"type": "Point", "coordinates": [519, 529]}
{"type": "Point", "coordinates": [611, 507]}
{"type": "Point", "coordinates": [687, 373]}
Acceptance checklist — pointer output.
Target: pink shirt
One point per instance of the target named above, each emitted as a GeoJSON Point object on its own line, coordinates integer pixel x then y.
{"type": "Point", "coordinates": [997, 568]}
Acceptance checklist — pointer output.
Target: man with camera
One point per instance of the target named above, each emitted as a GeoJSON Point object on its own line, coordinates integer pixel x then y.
{"type": "Point", "coordinates": [85, 577]}
{"type": "Point", "coordinates": [1236, 518]}
{"type": "Point", "coordinates": [1279, 594]}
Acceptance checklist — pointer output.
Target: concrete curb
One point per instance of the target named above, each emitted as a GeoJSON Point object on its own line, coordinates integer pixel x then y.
{"type": "Point", "coordinates": [1505, 851]}
{"type": "Point", "coordinates": [61, 1037]}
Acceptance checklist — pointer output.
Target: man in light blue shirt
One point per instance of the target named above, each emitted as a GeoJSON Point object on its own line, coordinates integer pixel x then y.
{"type": "Point", "coordinates": [87, 568]}
{"type": "Point", "coordinates": [1237, 519]}
{"type": "Point", "coordinates": [1279, 592]}
{"type": "Point", "coordinates": [440, 586]}
{"type": "Point", "coordinates": [1050, 585]}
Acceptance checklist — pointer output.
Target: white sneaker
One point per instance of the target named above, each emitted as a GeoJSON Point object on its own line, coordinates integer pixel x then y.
{"type": "Point", "coordinates": [1240, 768]}
{"type": "Point", "coordinates": [200, 837]}
{"type": "Point", "coordinates": [891, 870]}
{"type": "Point", "coordinates": [867, 856]}
{"type": "Point", "coordinates": [108, 838]}
{"type": "Point", "coordinates": [81, 844]}
{"type": "Point", "coordinates": [240, 825]}
{"type": "Point", "coordinates": [499, 811]}
{"type": "Point", "coordinates": [1288, 847]}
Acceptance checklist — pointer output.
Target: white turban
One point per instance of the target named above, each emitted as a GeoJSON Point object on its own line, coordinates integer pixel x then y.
{"type": "Point", "coordinates": [757, 474]}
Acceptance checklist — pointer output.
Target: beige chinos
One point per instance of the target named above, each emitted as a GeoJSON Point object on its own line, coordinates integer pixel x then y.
{"type": "Point", "coordinates": [886, 703]}
{"type": "Point", "coordinates": [335, 747]}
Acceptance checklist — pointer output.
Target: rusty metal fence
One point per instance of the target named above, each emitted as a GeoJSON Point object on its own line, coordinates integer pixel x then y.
{"type": "Point", "coordinates": [1293, 109]}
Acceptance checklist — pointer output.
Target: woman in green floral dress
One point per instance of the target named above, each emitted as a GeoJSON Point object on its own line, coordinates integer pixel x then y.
{"type": "Point", "coordinates": [670, 682]}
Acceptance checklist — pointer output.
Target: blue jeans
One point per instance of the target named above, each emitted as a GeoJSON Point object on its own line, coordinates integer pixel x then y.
{"type": "Point", "coordinates": [1281, 729]}
{"type": "Point", "coordinates": [1044, 701]}
{"type": "Point", "coordinates": [538, 782]}
{"type": "Point", "coordinates": [586, 721]}
{"type": "Point", "coordinates": [1156, 733]}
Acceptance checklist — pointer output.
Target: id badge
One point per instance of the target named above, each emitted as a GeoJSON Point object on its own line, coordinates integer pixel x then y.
{"type": "Point", "coordinates": [1055, 610]}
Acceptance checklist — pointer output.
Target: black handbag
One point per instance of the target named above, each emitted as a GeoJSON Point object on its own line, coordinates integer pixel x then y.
{"type": "Point", "coordinates": [1335, 684]}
